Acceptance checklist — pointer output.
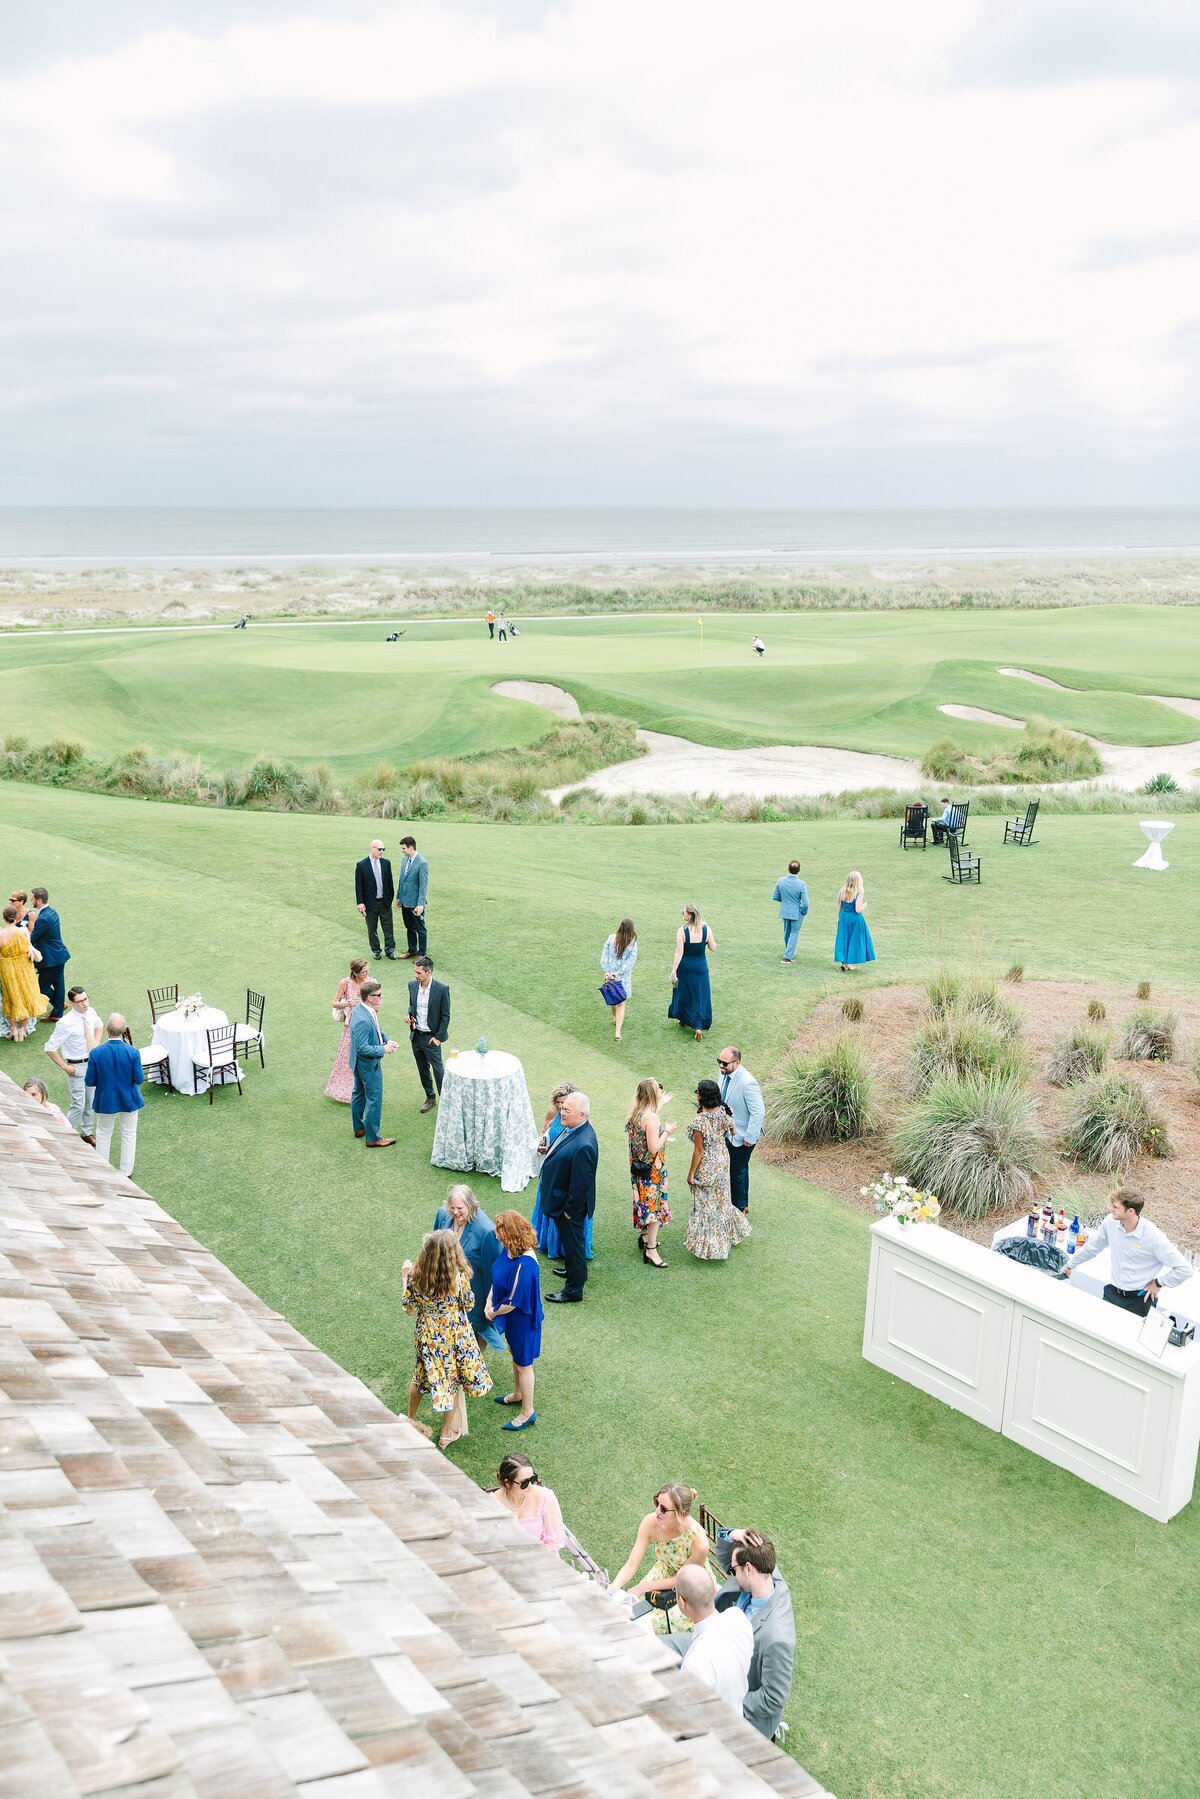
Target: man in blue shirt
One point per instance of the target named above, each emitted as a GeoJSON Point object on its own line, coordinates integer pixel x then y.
{"type": "Point", "coordinates": [791, 896]}
{"type": "Point", "coordinates": [114, 1071]}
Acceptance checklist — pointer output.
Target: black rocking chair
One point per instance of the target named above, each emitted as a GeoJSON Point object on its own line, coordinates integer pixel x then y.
{"type": "Point", "coordinates": [915, 828]}
{"type": "Point", "coordinates": [963, 868]}
{"type": "Point", "coordinates": [1020, 830]}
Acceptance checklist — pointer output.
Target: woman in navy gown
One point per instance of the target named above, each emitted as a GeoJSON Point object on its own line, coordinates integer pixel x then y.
{"type": "Point", "coordinates": [853, 945]}
{"type": "Point", "coordinates": [691, 996]}
{"type": "Point", "coordinates": [515, 1303]}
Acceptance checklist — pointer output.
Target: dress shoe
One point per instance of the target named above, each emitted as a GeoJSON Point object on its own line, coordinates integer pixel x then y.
{"type": "Point", "coordinates": [560, 1274]}
{"type": "Point", "coordinates": [513, 1425]}
{"type": "Point", "coordinates": [408, 955]}
{"type": "Point", "coordinates": [378, 954]}
{"type": "Point", "coordinates": [392, 956]}
{"type": "Point", "coordinates": [381, 1143]}
{"type": "Point", "coordinates": [429, 1105]}
{"type": "Point", "coordinates": [564, 1299]}
{"type": "Point", "coordinates": [360, 1133]}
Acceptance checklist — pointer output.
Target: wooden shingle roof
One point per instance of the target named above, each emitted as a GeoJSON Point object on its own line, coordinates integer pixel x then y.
{"type": "Point", "coordinates": [227, 1571]}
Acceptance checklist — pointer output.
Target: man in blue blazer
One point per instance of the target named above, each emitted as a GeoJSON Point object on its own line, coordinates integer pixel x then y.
{"type": "Point", "coordinates": [792, 897]}
{"type": "Point", "coordinates": [411, 890]}
{"type": "Point", "coordinates": [743, 1095]}
{"type": "Point", "coordinates": [368, 1047]}
{"type": "Point", "coordinates": [114, 1070]}
{"type": "Point", "coordinates": [46, 937]}
{"type": "Point", "coordinates": [568, 1192]}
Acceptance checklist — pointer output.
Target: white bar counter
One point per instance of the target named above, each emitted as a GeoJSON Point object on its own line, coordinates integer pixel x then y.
{"type": "Point", "coordinates": [1050, 1366]}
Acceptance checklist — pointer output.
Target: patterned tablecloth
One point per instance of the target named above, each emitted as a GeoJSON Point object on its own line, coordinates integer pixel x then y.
{"type": "Point", "coordinates": [484, 1120]}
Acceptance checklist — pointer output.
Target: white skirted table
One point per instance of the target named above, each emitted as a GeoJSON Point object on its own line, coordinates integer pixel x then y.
{"type": "Point", "coordinates": [484, 1120]}
{"type": "Point", "coordinates": [1155, 829]}
{"type": "Point", "coordinates": [185, 1040]}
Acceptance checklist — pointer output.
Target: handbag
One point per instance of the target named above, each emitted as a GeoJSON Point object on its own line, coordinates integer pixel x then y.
{"type": "Point", "coordinates": [612, 991]}
{"type": "Point", "coordinates": [641, 1171]}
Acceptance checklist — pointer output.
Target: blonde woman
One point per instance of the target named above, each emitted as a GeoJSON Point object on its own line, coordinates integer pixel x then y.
{"type": "Point", "coordinates": [20, 996]}
{"type": "Point", "coordinates": [616, 965]}
{"type": "Point", "coordinates": [691, 996]}
{"type": "Point", "coordinates": [853, 945]}
{"type": "Point", "coordinates": [340, 1085]}
{"type": "Point", "coordinates": [648, 1139]}
{"type": "Point", "coordinates": [676, 1538]}
{"type": "Point", "coordinates": [437, 1293]}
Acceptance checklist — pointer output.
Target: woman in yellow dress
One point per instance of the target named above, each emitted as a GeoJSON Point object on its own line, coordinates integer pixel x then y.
{"type": "Point", "coordinates": [437, 1293]}
{"type": "Point", "coordinates": [19, 993]}
{"type": "Point", "coordinates": [677, 1539]}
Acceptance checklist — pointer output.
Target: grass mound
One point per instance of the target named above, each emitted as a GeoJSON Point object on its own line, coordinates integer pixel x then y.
{"type": "Point", "coordinates": [1080, 1053]}
{"type": "Point", "coordinates": [1149, 1036]}
{"type": "Point", "coordinates": [959, 1043]}
{"type": "Point", "coordinates": [981, 994]}
{"type": "Point", "coordinates": [1043, 752]}
{"type": "Point", "coordinates": [942, 990]}
{"type": "Point", "coordinates": [827, 1097]}
{"type": "Point", "coordinates": [1112, 1121]}
{"type": "Point", "coordinates": [973, 1141]}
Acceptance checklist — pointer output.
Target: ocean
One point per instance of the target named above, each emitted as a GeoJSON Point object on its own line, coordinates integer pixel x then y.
{"type": "Point", "coordinates": [212, 536]}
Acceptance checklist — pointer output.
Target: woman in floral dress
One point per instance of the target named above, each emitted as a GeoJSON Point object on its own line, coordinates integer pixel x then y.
{"type": "Point", "coordinates": [715, 1224]}
{"type": "Point", "coordinates": [648, 1139]}
{"type": "Point", "coordinates": [676, 1539]}
{"type": "Point", "coordinates": [437, 1293]}
{"type": "Point", "coordinates": [341, 1081]}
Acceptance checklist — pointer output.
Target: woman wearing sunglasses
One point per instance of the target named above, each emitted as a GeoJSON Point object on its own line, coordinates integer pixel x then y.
{"type": "Point", "coordinates": [533, 1506]}
{"type": "Point", "coordinates": [676, 1538]}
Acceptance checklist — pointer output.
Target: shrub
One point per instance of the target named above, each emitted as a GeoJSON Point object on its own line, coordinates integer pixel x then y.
{"type": "Point", "coordinates": [1096, 1010]}
{"type": "Point", "coordinates": [943, 989]}
{"type": "Point", "coordinates": [15, 742]}
{"type": "Point", "coordinates": [1112, 1121]}
{"type": "Point", "coordinates": [1143, 990]}
{"type": "Point", "coordinates": [960, 1043]}
{"type": "Point", "coordinates": [64, 750]}
{"type": "Point", "coordinates": [1042, 752]}
{"type": "Point", "coordinates": [1161, 783]}
{"type": "Point", "coordinates": [981, 994]}
{"type": "Point", "coordinates": [1016, 973]}
{"type": "Point", "coordinates": [1077, 1055]}
{"type": "Point", "coordinates": [853, 1008]}
{"type": "Point", "coordinates": [826, 1097]}
{"type": "Point", "coordinates": [974, 1142]}
{"type": "Point", "coordinates": [1149, 1036]}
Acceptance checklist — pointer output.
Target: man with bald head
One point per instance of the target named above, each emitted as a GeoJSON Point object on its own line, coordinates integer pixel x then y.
{"type": "Point", "coordinates": [569, 1192]}
{"type": "Point", "coordinates": [114, 1070]}
{"type": "Point", "coordinates": [374, 892]}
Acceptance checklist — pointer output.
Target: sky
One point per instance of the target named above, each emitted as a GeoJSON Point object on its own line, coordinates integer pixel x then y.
{"type": "Point", "coordinates": [609, 252]}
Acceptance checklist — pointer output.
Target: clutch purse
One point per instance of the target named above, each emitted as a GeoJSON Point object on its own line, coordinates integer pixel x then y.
{"type": "Point", "coordinates": [612, 991]}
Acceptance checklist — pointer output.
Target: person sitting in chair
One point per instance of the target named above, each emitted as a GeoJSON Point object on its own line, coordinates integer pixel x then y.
{"type": "Point", "coordinates": [941, 826]}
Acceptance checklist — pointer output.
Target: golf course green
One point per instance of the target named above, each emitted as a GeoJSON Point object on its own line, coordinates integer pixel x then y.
{"type": "Point", "coordinates": [338, 694]}
{"type": "Point", "coordinates": [971, 1619]}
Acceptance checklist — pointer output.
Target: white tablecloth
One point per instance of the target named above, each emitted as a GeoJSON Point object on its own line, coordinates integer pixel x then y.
{"type": "Point", "coordinates": [1094, 1276]}
{"type": "Point", "coordinates": [485, 1121]}
{"type": "Point", "coordinates": [186, 1042]}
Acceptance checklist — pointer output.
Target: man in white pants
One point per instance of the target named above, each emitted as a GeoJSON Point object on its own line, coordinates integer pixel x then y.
{"type": "Point", "coordinates": [72, 1040]}
{"type": "Point", "coordinates": [115, 1075]}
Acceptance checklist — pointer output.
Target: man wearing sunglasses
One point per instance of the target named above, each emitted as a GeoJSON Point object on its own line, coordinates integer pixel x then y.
{"type": "Point", "coordinates": [743, 1095]}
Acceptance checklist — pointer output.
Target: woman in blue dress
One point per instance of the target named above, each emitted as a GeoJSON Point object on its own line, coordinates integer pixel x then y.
{"type": "Point", "coordinates": [545, 1229]}
{"type": "Point", "coordinates": [691, 996]}
{"type": "Point", "coordinates": [853, 945]}
{"type": "Point", "coordinates": [515, 1304]}
{"type": "Point", "coordinates": [616, 964]}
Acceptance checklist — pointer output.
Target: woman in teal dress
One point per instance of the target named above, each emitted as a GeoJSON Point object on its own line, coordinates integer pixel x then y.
{"type": "Point", "coordinates": [853, 946]}
{"type": "Point", "coordinates": [691, 995]}
{"type": "Point", "coordinates": [548, 1240]}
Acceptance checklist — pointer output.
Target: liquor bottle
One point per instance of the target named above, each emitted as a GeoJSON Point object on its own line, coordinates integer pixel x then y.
{"type": "Point", "coordinates": [1073, 1235]}
{"type": "Point", "coordinates": [1031, 1223]}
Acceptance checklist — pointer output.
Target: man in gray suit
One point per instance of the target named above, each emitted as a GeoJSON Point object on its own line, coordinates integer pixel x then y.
{"type": "Point", "coordinates": [368, 1046]}
{"type": "Point", "coordinates": [757, 1588]}
{"type": "Point", "coordinates": [792, 897]}
{"type": "Point", "coordinates": [411, 890]}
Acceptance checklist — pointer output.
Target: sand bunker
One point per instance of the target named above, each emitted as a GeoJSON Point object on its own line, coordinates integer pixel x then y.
{"type": "Point", "coordinates": [1126, 766]}
{"type": "Point", "coordinates": [979, 715]}
{"type": "Point", "coordinates": [1025, 674]}
{"type": "Point", "coordinates": [540, 693]}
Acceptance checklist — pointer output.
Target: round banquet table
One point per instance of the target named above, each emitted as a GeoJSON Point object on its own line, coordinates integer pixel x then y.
{"type": "Point", "coordinates": [484, 1120]}
{"type": "Point", "coordinates": [186, 1042]}
{"type": "Point", "coordinates": [1155, 829]}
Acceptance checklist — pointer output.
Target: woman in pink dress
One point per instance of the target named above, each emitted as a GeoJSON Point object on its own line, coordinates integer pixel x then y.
{"type": "Point", "coordinates": [533, 1506]}
{"type": "Point", "coordinates": [341, 1081]}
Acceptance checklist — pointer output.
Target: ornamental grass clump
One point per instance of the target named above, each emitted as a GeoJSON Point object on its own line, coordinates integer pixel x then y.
{"type": "Point", "coordinates": [974, 1142]}
{"type": "Point", "coordinates": [1082, 1052]}
{"type": "Point", "coordinates": [825, 1097]}
{"type": "Point", "coordinates": [1112, 1121]}
{"type": "Point", "coordinates": [1096, 1010]}
{"type": "Point", "coordinates": [1016, 973]}
{"type": "Point", "coordinates": [942, 989]}
{"type": "Point", "coordinates": [1143, 990]}
{"type": "Point", "coordinates": [981, 994]}
{"type": "Point", "coordinates": [853, 1008]}
{"type": "Point", "coordinates": [1149, 1036]}
{"type": "Point", "coordinates": [960, 1043]}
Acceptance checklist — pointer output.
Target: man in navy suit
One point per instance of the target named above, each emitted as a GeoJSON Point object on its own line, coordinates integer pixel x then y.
{"type": "Point", "coordinates": [429, 1025]}
{"type": "Point", "coordinates": [46, 937]}
{"type": "Point", "coordinates": [368, 1047]}
{"type": "Point", "coordinates": [114, 1070]}
{"type": "Point", "coordinates": [569, 1192]}
{"type": "Point", "coordinates": [373, 895]}
{"type": "Point", "coordinates": [410, 897]}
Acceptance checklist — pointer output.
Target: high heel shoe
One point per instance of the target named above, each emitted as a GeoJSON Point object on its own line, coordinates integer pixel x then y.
{"type": "Point", "coordinates": [646, 1258]}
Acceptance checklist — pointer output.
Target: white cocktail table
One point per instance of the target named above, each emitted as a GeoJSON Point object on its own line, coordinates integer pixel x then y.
{"type": "Point", "coordinates": [185, 1040]}
{"type": "Point", "coordinates": [1156, 829]}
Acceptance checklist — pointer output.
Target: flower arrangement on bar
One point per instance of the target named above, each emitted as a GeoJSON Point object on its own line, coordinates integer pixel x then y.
{"type": "Point", "coordinates": [481, 1048]}
{"type": "Point", "coordinates": [894, 1195]}
{"type": "Point", "coordinates": [192, 1004]}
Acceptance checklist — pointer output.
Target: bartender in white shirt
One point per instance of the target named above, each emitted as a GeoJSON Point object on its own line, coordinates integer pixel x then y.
{"type": "Point", "coordinates": [721, 1643]}
{"type": "Point", "coordinates": [1143, 1258]}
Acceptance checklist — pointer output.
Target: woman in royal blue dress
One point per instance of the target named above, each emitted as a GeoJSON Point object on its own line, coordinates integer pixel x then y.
{"type": "Point", "coordinates": [691, 995]}
{"type": "Point", "coordinates": [515, 1303]}
{"type": "Point", "coordinates": [853, 945]}
{"type": "Point", "coordinates": [545, 1229]}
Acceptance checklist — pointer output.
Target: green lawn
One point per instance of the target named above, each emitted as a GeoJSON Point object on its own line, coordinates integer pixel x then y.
{"type": "Point", "coordinates": [338, 693]}
{"type": "Point", "coordinates": [948, 1584]}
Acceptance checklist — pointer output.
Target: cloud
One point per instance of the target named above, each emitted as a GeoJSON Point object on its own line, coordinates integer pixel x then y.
{"type": "Point", "coordinates": [1046, 43]}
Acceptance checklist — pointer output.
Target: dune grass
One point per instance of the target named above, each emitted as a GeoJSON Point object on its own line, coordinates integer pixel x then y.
{"type": "Point", "coordinates": [745, 1378]}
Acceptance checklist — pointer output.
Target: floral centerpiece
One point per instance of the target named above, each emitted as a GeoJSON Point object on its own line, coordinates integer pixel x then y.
{"type": "Point", "coordinates": [894, 1195]}
{"type": "Point", "coordinates": [481, 1048]}
{"type": "Point", "coordinates": [192, 1004]}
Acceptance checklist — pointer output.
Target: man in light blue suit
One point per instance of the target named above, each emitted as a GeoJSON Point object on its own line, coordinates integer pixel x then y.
{"type": "Point", "coordinates": [411, 889]}
{"type": "Point", "coordinates": [368, 1047]}
{"type": "Point", "coordinates": [792, 895]}
{"type": "Point", "coordinates": [743, 1095]}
